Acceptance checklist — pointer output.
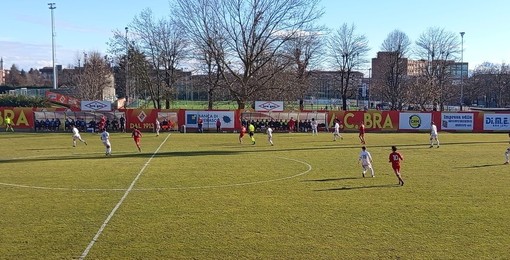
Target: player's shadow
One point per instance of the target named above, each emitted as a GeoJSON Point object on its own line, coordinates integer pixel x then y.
{"type": "Point", "coordinates": [361, 187]}
{"type": "Point", "coordinates": [333, 179]}
{"type": "Point", "coordinates": [478, 166]}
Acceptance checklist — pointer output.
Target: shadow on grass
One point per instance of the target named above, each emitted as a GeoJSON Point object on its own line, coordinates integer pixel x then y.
{"type": "Point", "coordinates": [362, 187]}
{"type": "Point", "coordinates": [334, 179]}
{"type": "Point", "coordinates": [243, 149]}
{"type": "Point", "coordinates": [479, 166]}
{"type": "Point", "coordinates": [118, 155]}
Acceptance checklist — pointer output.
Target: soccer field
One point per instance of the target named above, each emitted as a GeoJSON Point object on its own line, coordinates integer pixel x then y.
{"type": "Point", "coordinates": [205, 196]}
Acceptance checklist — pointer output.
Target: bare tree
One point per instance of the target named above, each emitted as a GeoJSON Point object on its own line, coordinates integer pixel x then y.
{"type": "Point", "coordinates": [438, 49]}
{"type": "Point", "coordinates": [164, 47]}
{"type": "Point", "coordinates": [490, 85]}
{"type": "Point", "coordinates": [304, 50]}
{"type": "Point", "coordinates": [347, 51]}
{"type": "Point", "coordinates": [252, 35]}
{"type": "Point", "coordinates": [202, 28]}
{"type": "Point", "coordinates": [394, 81]}
{"type": "Point", "coordinates": [95, 76]}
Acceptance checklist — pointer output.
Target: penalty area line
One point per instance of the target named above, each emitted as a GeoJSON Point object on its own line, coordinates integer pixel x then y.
{"type": "Point", "coordinates": [126, 193]}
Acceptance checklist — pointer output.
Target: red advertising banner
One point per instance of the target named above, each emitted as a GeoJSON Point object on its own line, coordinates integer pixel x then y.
{"type": "Point", "coordinates": [143, 119]}
{"type": "Point", "coordinates": [374, 120]}
{"type": "Point", "coordinates": [21, 117]}
{"type": "Point", "coordinates": [62, 99]}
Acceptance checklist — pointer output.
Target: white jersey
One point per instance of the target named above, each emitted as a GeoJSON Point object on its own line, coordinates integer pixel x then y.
{"type": "Point", "coordinates": [76, 132]}
{"type": "Point", "coordinates": [433, 130]}
{"type": "Point", "coordinates": [365, 158]}
{"type": "Point", "coordinates": [158, 126]}
{"type": "Point", "coordinates": [314, 124]}
{"type": "Point", "coordinates": [337, 128]}
{"type": "Point", "coordinates": [269, 132]}
{"type": "Point", "coordinates": [105, 137]}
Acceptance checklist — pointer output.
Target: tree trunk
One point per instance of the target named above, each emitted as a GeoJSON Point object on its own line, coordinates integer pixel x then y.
{"type": "Point", "coordinates": [241, 104]}
{"type": "Point", "coordinates": [210, 100]}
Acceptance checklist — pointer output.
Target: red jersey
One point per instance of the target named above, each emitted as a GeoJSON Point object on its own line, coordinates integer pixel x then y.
{"type": "Point", "coordinates": [136, 134]}
{"type": "Point", "coordinates": [362, 129]}
{"type": "Point", "coordinates": [395, 158]}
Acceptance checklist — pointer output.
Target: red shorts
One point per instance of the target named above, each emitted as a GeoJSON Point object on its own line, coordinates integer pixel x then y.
{"type": "Point", "coordinates": [396, 167]}
{"type": "Point", "coordinates": [137, 139]}
{"type": "Point", "coordinates": [241, 135]}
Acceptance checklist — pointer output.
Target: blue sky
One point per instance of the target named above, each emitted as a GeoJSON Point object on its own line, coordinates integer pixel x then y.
{"type": "Point", "coordinates": [86, 25]}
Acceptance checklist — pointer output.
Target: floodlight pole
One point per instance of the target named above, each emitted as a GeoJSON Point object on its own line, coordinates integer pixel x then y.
{"type": "Point", "coordinates": [462, 71]}
{"type": "Point", "coordinates": [127, 67]}
{"type": "Point", "coordinates": [52, 7]}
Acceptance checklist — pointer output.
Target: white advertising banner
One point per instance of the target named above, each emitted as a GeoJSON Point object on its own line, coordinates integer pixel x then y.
{"type": "Point", "coordinates": [457, 121]}
{"type": "Point", "coordinates": [414, 121]}
{"type": "Point", "coordinates": [96, 105]}
{"type": "Point", "coordinates": [210, 118]}
{"type": "Point", "coordinates": [265, 106]}
{"type": "Point", "coordinates": [496, 122]}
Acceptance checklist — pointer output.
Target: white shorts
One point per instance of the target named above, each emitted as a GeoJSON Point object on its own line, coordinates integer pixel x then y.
{"type": "Point", "coordinates": [336, 132]}
{"type": "Point", "coordinates": [366, 166]}
{"type": "Point", "coordinates": [433, 136]}
{"type": "Point", "coordinates": [76, 137]}
{"type": "Point", "coordinates": [107, 144]}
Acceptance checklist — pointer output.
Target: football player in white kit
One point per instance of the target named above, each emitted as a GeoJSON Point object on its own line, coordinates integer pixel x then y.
{"type": "Point", "coordinates": [336, 132]}
{"type": "Point", "coordinates": [269, 132]}
{"type": "Point", "coordinates": [433, 135]}
{"type": "Point", "coordinates": [314, 125]}
{"type": "Point", "coordinates": [366, 161]}
{"type": "Point", "coordinates": [77, 136]}
{"type": "Point", "coordinates": [158, 127]}
{"type": "Point", "coordinates": [105, 138]}
{"type": "Point", "coordinates": [507, 153]}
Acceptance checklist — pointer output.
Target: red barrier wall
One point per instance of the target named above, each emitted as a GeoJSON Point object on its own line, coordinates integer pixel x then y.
{"type": "Point", "coordinates": [374, 120]}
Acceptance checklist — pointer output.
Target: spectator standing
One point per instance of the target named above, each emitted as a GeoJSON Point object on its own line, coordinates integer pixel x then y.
{"type": "Point", "coordinates": [200, 125]}
{"type": "Point", "coordinates": [291, 124]}
{"type": "Point", "coordinates": [218, 125]}
{"type": "Point", "coordinates": [122, 122]}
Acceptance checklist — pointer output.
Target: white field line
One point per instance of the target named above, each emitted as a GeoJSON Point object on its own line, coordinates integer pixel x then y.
{"type": "Point", "coordinates": [239, 184]}
{"type": "Point", "coordinates": [168, 188]}
{"type": "Point", "coordinates": [105, 223]}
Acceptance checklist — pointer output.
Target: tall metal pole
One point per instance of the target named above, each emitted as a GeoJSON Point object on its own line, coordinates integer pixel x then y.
{"type": "Point", "coordinates": [127, 67]}
{"type": "Point", "coordinates": [52, 7]}
{"type": "Point", "coordinates": [462, 71]}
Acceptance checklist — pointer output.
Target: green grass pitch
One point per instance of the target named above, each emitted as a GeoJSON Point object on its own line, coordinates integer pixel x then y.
{"type": "Point", "coordinates": [205, 196]}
